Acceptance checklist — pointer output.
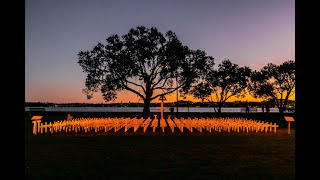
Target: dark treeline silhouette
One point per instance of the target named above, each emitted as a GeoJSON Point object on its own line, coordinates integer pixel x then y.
{"type": "Point", "coordinates": [219, 85]}
{"type": "Point", "coordinates": [39, 104]}
{"type": "Point", "coordinates": [151, 64]}
{"type": "Point", "coordinates": [275, 83]}
{"type": "Point", "coordinates": [166, 104]}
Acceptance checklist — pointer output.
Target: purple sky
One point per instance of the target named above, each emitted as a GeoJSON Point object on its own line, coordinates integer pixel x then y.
{"type": "Point", "coordinates": [248, 32]}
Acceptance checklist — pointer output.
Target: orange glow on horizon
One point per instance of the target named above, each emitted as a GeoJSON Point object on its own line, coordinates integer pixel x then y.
{"type": "Point", "coordinates": [76, 96]}
{"type": "Point", "coordinates": [126, 97]}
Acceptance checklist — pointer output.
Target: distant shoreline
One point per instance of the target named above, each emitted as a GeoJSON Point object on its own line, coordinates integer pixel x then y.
{"type": "Point", "coordinates": [152, 109]}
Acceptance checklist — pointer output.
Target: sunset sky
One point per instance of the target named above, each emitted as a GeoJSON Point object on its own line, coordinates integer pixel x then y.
{"type": "Point", "coordinates": [248, 32]}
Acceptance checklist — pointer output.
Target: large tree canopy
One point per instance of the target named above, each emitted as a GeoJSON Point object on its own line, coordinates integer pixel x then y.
{"type": "Point", "coordinates": [144, 61]}
{"type": "Point", "coordinates": [274, 83]}
{"type": "Point", "coordinates": [221, 84]}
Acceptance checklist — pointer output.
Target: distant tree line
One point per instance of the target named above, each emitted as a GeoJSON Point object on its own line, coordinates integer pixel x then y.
{"type": "Point", "coordinates": [38, 104]}
{"type": "Point", "coordinates": [151, 64]}
{"type": "Point", "coordinates": [166, 104]}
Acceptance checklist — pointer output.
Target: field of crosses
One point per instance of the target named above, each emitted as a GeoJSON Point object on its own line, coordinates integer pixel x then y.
{"type": "Point", "coordinates": [115, 124]}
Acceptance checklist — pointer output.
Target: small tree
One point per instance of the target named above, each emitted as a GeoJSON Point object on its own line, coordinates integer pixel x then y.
{"type": "Point", "coordinates": [144, 62]}
{"type": "Point", "coordinates": [274, 83]}
{"type": "Point", "coordinates": [219, 85]}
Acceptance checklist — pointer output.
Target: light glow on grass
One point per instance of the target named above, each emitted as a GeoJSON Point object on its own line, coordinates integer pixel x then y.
{"type": "Point", "coordinates": [116, 124]}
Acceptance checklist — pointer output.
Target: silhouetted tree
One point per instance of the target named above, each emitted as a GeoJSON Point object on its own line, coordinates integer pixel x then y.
{"type": "Point", "coordinates": [143, 61]}
{"type": "Point", "coordinates": [274, 83]}
{"type": "Point", "coordinates": [221, 84]}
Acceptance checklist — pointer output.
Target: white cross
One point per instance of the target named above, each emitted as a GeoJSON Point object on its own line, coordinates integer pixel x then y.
{"type": "Point", "coordinates": [162, 98]}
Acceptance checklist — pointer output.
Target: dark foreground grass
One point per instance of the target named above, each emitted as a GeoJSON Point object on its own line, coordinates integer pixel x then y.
{"type": "Point", "coordinates": [161, 155]}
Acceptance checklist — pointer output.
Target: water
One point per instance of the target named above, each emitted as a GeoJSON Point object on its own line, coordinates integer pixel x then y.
{"type": "Point", "coordinates": [140, 109]}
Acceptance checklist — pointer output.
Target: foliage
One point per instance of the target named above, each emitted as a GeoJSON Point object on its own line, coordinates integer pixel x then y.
{"type": "Point", "coordinates": [274, 83]}
{"type": "Point", "coordinates": [221, 84]}
{"type": "Point", "coordinates": [145, 62]}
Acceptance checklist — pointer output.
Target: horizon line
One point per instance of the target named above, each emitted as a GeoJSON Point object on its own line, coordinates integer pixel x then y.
{"type": "Point", "coordinates": [139, 102]}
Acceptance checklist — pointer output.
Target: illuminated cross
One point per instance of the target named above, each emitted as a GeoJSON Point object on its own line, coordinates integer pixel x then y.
{"type": "Point", "coordinates": [36, 123]}
{"type": "Point", "coordinates": [162, 98]}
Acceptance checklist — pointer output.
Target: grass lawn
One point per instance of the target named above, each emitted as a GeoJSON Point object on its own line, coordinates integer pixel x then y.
{"type": "Point", "coordinates": [160, 155]}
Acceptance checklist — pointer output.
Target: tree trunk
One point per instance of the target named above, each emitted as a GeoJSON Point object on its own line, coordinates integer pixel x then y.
{"type": "Point", "coordinates": [147, 100]}
{"type": "Point", "coordinates": [214, 107]}
{"type": "Point", "coordinates": [219, 108]}
{"type": "Point", "coordinates": [146, 108]}
{"type": "Point", "coordinates": [282, 109]}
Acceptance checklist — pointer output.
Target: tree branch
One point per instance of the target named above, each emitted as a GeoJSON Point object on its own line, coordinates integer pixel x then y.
{"type": "Point", "coordinates": [227, 97]}
{"type": "Point", "coordinates": [160, 87]}
{"type": "Point", "coordinates": [155, 84]}
{"type": "Point", "coordinates": [134, 91]}
{"type": "Point", "coordinates": [153, 74]}
{"type": "Point", "coordinates": [168, 92]}
{"type": "Point", "coordinates": [137, 85]}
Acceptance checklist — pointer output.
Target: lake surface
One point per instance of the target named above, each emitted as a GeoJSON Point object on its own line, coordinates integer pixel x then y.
{"type": "Point", "coordinates": [140, 109]}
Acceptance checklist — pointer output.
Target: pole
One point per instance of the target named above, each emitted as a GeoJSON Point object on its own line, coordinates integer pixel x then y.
{"type": "Point", "coordinates": [177, 95]}
{"type": "Point", "coordinates": [161, 109]}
